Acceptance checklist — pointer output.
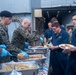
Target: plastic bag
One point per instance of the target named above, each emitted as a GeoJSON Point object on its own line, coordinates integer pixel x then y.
{"type": "Point", "coordinates": [15, 72]}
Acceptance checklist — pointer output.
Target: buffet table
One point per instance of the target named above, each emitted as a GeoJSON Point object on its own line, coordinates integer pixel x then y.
{"type": "Point", "coordinates": [39, 66]}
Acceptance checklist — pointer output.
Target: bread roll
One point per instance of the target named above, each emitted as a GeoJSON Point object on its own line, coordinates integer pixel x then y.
{"type": "Point", "coordinates": [36, 56]}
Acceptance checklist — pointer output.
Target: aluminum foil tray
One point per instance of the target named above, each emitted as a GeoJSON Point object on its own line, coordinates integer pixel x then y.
{"type": "Point", "coordinates": [37, 50]}
{"type": "Point", "coordinates": [33, 71]}
{"type": "Point", "coordinates": [34, 59]}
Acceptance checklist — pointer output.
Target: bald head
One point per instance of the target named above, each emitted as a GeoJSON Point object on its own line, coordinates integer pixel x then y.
{"type": "Point", "coordinates": [26, 20]}
{"type": "Point", "coordinates": [26, 23]}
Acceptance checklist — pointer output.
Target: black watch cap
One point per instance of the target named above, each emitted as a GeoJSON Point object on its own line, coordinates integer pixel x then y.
{"type": "Point", "coordinates": [6, 14]}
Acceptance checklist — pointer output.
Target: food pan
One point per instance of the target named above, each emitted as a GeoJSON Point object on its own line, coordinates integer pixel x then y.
{"type": "Point", "coordinates": [29, 71]}
{"type": "Point", "coordinates": [37, 50]}
{"type": "Point", "coordinates": [24, 72]}
{"type": "Point", "coordinates": [39, 57]}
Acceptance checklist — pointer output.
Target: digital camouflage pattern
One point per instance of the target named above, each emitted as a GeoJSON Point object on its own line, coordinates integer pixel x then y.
{"type": "Point", "coordinates": [4, 39]}
{"type": "Point", "coordinates": [21, 35]}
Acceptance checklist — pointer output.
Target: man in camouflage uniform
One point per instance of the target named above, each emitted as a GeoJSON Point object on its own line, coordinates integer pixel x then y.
{"type": "Point", "coordinates": [22, 34]}
{"type": "Point", "coordinates": [6, 19]}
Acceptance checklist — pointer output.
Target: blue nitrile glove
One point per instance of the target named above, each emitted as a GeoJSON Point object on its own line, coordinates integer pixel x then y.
{"type": "Point", "coordinates": [41, 40]}
{"type": "Point", "coordinates": [26, 55]}
{"type": "Point", "coordinates": [26, 44]}
{"type": "Point", "coordinates": [2, 46]}
{"type": "Point", "coordinates": [5, 53]}
{"type": "Point", "coordinates": [25, 49]}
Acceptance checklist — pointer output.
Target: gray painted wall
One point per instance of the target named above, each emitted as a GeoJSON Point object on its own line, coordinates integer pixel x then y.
{"type": "Point", "coordinates": [16, 6]}
{"type": "Point", "coordinates": [36, 4]}
{"type": "Point", "coordinates": [57, 3]}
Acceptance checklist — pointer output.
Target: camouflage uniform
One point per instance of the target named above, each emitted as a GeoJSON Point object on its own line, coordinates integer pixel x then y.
{"type": "Point", "coordinates": [21, 35]}
{"type": "Point", "coordinates": [4, 39]}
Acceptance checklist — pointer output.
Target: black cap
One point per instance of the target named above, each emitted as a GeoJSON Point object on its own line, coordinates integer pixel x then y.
{"type": "Point", "coordinates": [6, 14]}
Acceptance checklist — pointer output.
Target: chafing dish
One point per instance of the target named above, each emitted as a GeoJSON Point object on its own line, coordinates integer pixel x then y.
{"type": "Point", "coordinates": [37, 50]}
{"type": "Point", "coordinates": [26, 68]}
{"type": "Point", "coordinates": [34, 57]}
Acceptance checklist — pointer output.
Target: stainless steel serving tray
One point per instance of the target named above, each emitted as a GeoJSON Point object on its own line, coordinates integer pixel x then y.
{"type": "Point", "coordinates": [33, 71]}
{"type": "Point", "coordinates": [24, 72]}
{"type": "Point", "coordinates": [34, 59]}
{"type": "Point", "coordinates": [38, 47]}
{"type": "Point", "coordinates": [37, 50]}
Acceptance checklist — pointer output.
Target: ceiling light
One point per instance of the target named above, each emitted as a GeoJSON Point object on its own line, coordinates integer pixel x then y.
{"type": "Point", "coordinates": [69, 11]}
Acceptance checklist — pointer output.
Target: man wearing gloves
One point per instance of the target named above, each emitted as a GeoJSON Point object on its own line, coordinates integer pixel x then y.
{"type": "Point", "coordinates": [6, 19]}
{"type": "Point", "coordinates": [22, 36]}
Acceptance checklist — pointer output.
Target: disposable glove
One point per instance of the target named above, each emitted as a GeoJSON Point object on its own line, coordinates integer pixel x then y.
{"type": "Point", "coordinates": [3, 46]}
{"type": "Point", "coordinates": [26, 44]}
{"type": "Point", "coordinates": [25, 49]}
{"type": "Point", "coordinates": [41, 40]}
{"type": "Point", "coordinates": [5, 53]}
{"type": "Point", "coordinates": [25, 54]}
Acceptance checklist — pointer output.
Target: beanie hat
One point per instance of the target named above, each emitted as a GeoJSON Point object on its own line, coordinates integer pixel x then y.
{"type": "Point", "coordinates": [6, 14]}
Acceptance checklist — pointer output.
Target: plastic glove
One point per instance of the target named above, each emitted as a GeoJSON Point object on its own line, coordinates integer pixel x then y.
{"type": "Point", "coordinates": [25, 49]}
{"type": "Point", "coordinates": [41, 40]}
{"type": "Point", "coordinates": [5, 53]}
{"type": "Point", "coordinates": [25, 54]}
{"type": "Point", "coordinates": [3, 46]}
{"type": "Point", "coordinates": [26, 44]}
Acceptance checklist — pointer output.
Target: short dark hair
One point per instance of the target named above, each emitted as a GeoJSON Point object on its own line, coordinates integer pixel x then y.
{"type": "Point", "coordinates": [74, 14]}
{"type": "Point", "coordinates": [6, 14]}
{"type": "Point", "coordinates": [49, 22]}
{"type": "Point", "coordinates": [55, 25]}
{"type": "Point", "coordinates": [69, 28]}
{"type": "Point", "coordinates": [53, 19]}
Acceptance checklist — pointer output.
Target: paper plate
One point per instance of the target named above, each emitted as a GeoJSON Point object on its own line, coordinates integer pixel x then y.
{"type": "Point", "coordinates": [66, 46]}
